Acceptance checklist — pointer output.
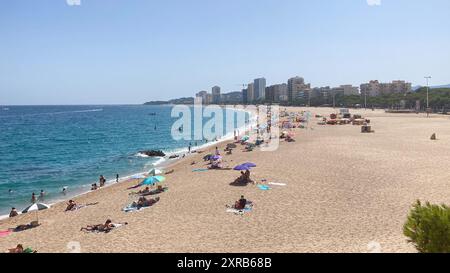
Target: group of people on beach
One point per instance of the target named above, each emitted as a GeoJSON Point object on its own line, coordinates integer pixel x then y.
{"type": "Point", "coordinates": [102, 182]}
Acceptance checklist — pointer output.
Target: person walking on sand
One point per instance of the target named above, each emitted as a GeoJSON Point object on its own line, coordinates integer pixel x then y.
{"type": "Point", "coordinates": [217, 151]}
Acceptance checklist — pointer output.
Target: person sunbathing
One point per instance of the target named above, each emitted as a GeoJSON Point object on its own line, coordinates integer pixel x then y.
{"type": "Point", "coordinates": [144, 202]}
{"type": "Point", "coordinates": [247, 178]}
{"type": "Point", "coordinates": [106, 227]}
{"type": "Point", "coordinates": [71, 205]}
{"type": "Point", "coordinates": [215, 166]}
{"type": "Point", "coordinates": [26, 227]}
{"type": "Point", "coordinates": [241, 178]}
{"type": "Point", "coordinates": [19, 249]}
{"type": "Point", "coordinates": [240, 204]}
{"type": "Point", "coordinates": [144, 191]}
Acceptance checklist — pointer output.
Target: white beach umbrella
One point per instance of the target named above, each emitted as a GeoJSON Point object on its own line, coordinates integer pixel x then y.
{"type": "Point", "coordinates": [138, 176]}
{"type": "Point", "coordinates": [154, 172]}
{"type": "Point", "coordinates": [35, 207]}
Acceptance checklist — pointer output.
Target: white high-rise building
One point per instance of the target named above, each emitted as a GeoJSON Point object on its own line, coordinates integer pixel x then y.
{"type": "Point", "coordinates": [260, 88]}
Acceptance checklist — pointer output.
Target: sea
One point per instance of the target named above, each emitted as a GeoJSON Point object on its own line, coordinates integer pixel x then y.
{"type": "Point", "coordinates": [48, 148]}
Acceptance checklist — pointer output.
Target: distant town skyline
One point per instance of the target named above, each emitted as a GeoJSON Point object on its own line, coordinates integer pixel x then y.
{"type": "Point", "coordinates": [129, 52]}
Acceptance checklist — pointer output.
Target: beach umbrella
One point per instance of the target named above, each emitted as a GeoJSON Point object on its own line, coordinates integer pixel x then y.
{"type": "Point", "coordinates": [154, 172]}
{"type": "Point", "coordinates": [206, 157]}
{"type": "Point", "coordinates": [138, 176]}
{"type": "Point", "coordinates": [245, 138]}
{"type": "Point", "coordinates": [35, 207]}
{"type": "Point", "coordinates": [249, 164]}
{"type": "Point", "coordinates": [216, 157]}
{"type": "Point", "coordinates": [152, 180]}
{"type": "Point", "coordinates": [241, 168]}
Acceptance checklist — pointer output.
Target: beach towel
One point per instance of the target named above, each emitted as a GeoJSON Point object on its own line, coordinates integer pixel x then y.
{"type": "Point", "coordinates": [131, 208]}
{"type": "Point", "coordinates": [200, 170]}
{"type": "Point", "coordinates": [4, 233]}
{"type": "Point", "coordinates": [248, 208]}
{"type": "Point", "coordinates": [277, 184]}
{"type": "Point", "coordinates": [264, 187]}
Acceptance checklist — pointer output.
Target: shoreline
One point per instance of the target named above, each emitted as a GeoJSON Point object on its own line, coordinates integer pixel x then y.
{"type": "Point", "coordinates": [161, 163]}
{"type": "Point", "coordinates": [337, 190]}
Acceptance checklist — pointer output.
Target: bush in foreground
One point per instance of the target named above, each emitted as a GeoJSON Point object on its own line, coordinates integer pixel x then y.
{"type": "Point", "coordinates": [428, 228]}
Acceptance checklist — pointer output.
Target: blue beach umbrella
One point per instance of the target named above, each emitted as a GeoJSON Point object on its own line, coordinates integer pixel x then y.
{"type": "Point", "coordinates": [152, 180]}
{"type": "Point", "coordinates": [249, 164]}
{"type": "Point", "coordinates": [241, 168]}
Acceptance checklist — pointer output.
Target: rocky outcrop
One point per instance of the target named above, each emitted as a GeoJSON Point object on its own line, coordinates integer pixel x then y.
{"type": "Point", "coordinates": [153, 153]}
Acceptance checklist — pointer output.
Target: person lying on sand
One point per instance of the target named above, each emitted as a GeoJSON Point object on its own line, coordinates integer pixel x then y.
{"type": "Point", "coordinates": [19, 249]}
{"type": "Point", "coordinates": [215, 166]}
{"type": "Point", "coordinates": [144, 202]}
{"type": "Point", "coordinates": [144, 191]}
{"type": "Point", "coordinates": [72, 206]}
{"type": "Point", "coordinates": [169, 172]}
{"type": "Point", "coordinates": [19, 228]}
{"type": "Point", "coordinates": [106, 227]}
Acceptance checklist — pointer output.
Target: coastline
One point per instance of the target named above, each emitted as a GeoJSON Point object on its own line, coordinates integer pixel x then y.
{"type": "Point", "coordinates": [343, 191]}
{"type": "Point", "coordinates": [162, 163]}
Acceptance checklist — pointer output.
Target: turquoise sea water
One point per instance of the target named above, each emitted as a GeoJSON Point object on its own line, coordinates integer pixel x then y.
{"type": "Point", "coordinates": [51, 147]}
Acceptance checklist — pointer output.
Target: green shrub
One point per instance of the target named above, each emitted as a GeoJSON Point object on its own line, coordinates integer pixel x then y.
{"type": "Point", "coordinates": [428, 228]}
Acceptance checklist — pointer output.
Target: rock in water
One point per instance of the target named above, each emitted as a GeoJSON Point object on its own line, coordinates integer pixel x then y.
{"type": "Point", "coordinates": [433, 137]}
{"type": "Point", "coordinates": [153, 153]}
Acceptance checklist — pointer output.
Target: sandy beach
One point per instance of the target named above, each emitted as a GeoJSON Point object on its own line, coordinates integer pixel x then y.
{"type": "Point", "coordinates": [343, 191]}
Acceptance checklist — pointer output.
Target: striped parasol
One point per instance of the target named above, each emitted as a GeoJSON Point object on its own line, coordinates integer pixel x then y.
{"type": "Point", "coordinates": [35, 207]}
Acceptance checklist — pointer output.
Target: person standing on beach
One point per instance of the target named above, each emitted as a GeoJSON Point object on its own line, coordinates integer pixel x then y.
{"type": "Point", "coordinates": [33, 198]}
{"type": "Point", "coordinates": [102, 181]}
{"type": "Point", "coordinates": [189, 148]}
{"type": "Point", "coordinates": [117, 178]}
{"type": "Point", "coordinates": [41, 196]}
{"type": "Point", "coordinates": [217, 151]}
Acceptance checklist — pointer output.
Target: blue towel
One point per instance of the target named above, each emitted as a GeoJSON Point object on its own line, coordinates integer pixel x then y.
{"type": "Point", "coordinates": [200, 170]}
{"type": "Point", "coordinates": [264, 187]}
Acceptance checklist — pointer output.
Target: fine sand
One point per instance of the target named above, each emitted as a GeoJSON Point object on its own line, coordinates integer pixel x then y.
{"type": "Point", "coordinates": [345, 192]}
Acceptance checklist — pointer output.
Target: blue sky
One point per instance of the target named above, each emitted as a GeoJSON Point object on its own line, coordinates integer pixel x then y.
{"type": "Point", "coordinates": [132, 51]}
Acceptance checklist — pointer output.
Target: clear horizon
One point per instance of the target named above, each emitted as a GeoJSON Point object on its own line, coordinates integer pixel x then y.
{"type": "Point", "coordinates": [130, 52]}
